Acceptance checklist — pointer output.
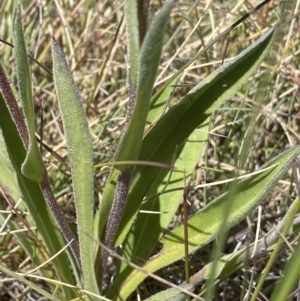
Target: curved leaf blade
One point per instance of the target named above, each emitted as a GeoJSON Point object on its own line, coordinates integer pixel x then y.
{"type": "Point", "coordinates": [33, 167]}
{"type": "Point", "coordinates": [81, 156]}
{"type": "Point", "coordinates": [193, 110]}
{"type": "Point", "coordinates": [31, 192]}
{"type": "Point", "coordinates": [205, 225]}
{"type": "Point", "coordinates": [149, 58]}
{"type": "Point", "coordinates": [133, 43]}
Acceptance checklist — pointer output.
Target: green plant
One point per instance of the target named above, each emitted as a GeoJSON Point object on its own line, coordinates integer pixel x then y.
{"type": "Point", "coordinates": [158, 149]}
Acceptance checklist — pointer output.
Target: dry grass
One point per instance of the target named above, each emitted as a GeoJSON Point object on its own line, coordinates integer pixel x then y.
{"type": "Point", "coordinates": [93, 36]}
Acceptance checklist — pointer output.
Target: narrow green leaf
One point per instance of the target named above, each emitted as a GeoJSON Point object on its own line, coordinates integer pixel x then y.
{"type": "Point", "coordinates": [33, 166]}
{"type": "Point", "coordinates": [205, 225]}
{"type": "Point", "coordinates": [173, 128]}
{"type": "Point", "coordinates": [252, 191]}
{"type": "Point", "coordinates": [133, 43]}
{"type": "Point", "coordinates": [202, 101]}
{"type": "Point", "coordinates": [149, 58]}
{"type": "Point", "coordinates": [31, 192]}
{"type": "Point", "coordinates": [81, 156]}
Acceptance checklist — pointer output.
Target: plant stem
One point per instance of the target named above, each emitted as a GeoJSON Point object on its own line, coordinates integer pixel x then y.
{"type": "Point", "coordinates": [116, 212]}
